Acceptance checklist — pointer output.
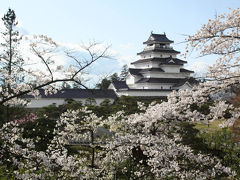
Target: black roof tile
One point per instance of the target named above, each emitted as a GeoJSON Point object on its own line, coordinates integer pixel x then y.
{"type": "Point", "coordinates": [152, 69]}
{"type": "Point", "coordinates": [139, 71]}
{"type": "Point", "coordinates": [186, 70]}
{"type": "Point", "coordinates": [160, 80]}
{"type": "Point", "coordinates": [120, 85]}
{"type": "Point", "coordinates": [134, 71]}
{"type": "Point", "coordinates": [163, 50]}
{"type": "Point", "coordinates": [150, 89]}
{"type": "Point", "coordinates": [159, 38]}
{"type": "Point", "coordinates": [179, 84]}
{"type": "Point", "coordinates": [162, 60]}
{"type": "Point", "coordinates": [79, 93]}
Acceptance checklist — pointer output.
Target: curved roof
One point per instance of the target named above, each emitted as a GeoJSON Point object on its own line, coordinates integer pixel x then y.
{"type": "Point", "coordinates": [163, 50]}
{"type": "Point", "coordinates": [161, 60]}
{"type": "Point", "coordinates": [161, 80]}
{"type": "Point", "coordinates": [138, 72]}
{"type": "Point", "coordinates": [152, 69]}
{"type": "Point", "coordinates": [186, 70]}
{"type": "Point", "coordinates": [135, 71]}
{"type": "Point", "coordinates": [157, 38]}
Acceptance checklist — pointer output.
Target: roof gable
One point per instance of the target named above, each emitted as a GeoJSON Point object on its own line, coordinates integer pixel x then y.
{"type": "Point", "coordinates": [171, 61]}
{"type": "Point", "coordinates": [183, 85]}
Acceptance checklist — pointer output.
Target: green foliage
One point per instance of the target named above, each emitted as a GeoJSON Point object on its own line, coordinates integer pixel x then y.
{"type": "Point", "coordinates": [106, 102]}
{"type": "Point", "coordinates": [114, 77]}
{"type": "Point", "coordinates": [203, 109]}
{"type": "Point", "coordinates": [225, 148]}
{"type": "Point", "coordinates": [126, 169]}
{"type": "Point", "coordinates": [51, 111]}
{"type": "Point", "coordinates": [124, 72]}
{"type": "Point", "coordinates": [104, 84]}
{"type": "Point", "coordinates": [217, 142]}
{"type": "Point", "coordinates": [11, 113]}
{"type": "Point", "coordinates": [70, 104]}
{"type": "Point", "coordinates": [41, 130]}
{"type": "Point", "coordinates": [90, 102]}
{"type": "Point", "coordinates": [104, 110]}
{"type": "Point", "coordinates": [126, 103]}
{"type": "Point", "coordinates": [6, 173]}
{"type": "Point", "coordinates": [3, 115]}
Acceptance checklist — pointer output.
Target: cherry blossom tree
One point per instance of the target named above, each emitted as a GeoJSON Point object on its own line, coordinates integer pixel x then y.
{"type": "Point", "coordinates": [148, 139]}
{"type": "Point", "coordinates": [221, 37]}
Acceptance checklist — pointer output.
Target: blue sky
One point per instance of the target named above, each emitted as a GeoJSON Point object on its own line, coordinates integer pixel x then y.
{"type": "Point", "coordinates": [124, 24]}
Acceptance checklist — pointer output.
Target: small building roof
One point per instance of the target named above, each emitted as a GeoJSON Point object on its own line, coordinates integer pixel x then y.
{"type": "Point", "coordinates": [157, 38]}
{"type": "Point", "coordinates": [120, 85]}
{"type": "Point", "coordinates": [134, 71]}
{"type": "Point", "coordinates": [78, 93]}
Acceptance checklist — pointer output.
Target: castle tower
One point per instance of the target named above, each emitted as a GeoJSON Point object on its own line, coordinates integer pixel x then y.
{"type": "Point", "coordinates": [157, 72]}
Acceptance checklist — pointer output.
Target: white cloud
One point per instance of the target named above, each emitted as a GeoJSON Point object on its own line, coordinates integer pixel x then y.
{"type": "Point", "coordinates": [71, 46]}
{"type": "Point", "coordinates": [126, 59]}
{"type": "Point", "coordinates": [127, 46]}
{"type": "Point", "coordinates": [92, 79]}
{"type": "Point", "coordinates": [199, 67]}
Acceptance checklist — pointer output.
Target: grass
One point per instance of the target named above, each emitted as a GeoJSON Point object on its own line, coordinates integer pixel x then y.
{"type": "Point", "coordinates": [214, 127]}
{"type": "Point", "coordinates": [208, 127]}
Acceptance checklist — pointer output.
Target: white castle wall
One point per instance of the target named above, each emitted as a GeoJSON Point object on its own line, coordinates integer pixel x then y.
{"type": "Point", "coordinates": [171, 68]}
{"type": "Point", "coordinates": [153, 86]}
{"type": "Point", "coordinates": [157, 55]}
{"type": "Point", "coordinates": [155, 74]}
{"type": "Point", "coordinates": [143, 93]}
{"type": "Point", "coordinates": [39, 103]}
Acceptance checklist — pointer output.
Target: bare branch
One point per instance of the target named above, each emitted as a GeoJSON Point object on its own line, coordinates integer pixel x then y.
{"type": "Point", "coordinates": [44, 61]}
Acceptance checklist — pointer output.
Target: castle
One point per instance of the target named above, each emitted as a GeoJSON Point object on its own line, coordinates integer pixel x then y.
{"type": "Point", "coordinates": [156, 73]}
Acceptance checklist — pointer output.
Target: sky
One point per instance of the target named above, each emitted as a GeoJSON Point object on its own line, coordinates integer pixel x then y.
{"type": "Point", "coordinates": [124, 24]}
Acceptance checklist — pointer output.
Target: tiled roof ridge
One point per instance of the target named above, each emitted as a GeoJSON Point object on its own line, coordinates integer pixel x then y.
{"type": "Point", "coordinates": [158, 38]}
{"type": "Point", "coordinates": [158, 59]}
{"type": "Point", "coordinates": [159, 50]}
